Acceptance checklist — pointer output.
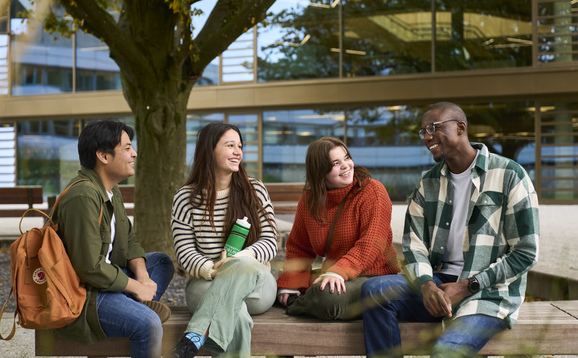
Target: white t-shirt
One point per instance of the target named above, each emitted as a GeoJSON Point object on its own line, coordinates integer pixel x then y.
{"type": "Point", "coordinates": [112, 230]}
{"type": "Point", "coordinates": [454, 254]}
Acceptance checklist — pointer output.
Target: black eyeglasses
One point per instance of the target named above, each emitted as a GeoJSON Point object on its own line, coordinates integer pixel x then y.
{"type": "Point", "coordinates": [431, 128]}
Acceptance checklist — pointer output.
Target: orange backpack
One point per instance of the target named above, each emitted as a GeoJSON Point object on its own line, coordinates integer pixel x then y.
{"type": "Point", "coordinates": [47, 290]}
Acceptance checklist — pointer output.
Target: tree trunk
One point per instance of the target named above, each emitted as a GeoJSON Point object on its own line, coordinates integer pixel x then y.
{"type": "Point", "coordinates": [160, 165]}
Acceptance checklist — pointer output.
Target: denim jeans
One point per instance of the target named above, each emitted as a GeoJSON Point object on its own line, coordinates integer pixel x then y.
{"type": "Point", "coordinates": [390, 299]}
{"type": "Point", "coordinates": [121, 316]}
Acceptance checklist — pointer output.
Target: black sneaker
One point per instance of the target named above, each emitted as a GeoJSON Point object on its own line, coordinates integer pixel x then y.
{"type": "Point", "coordinates": [185, 348]}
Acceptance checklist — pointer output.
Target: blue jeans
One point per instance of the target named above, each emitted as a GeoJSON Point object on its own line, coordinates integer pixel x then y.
{"type": "Point", "coordinates": [390, 299]}
{"type": "Point", "coordinates": [121, 316]}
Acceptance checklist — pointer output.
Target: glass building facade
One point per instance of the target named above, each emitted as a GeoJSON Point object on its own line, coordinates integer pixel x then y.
{"type": "Point", "coordinates": [360, 70]}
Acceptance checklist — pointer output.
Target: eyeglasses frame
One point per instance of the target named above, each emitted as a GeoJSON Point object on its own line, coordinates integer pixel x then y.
{"type": "Point", "coordinates": [421, 133]}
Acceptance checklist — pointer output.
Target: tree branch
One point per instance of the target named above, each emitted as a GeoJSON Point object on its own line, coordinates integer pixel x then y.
{"type": "Point", "coordinates": [97, 21]}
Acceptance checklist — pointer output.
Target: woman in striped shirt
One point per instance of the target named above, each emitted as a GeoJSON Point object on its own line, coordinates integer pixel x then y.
{"type": "Point", "coordinates": [223, 291]}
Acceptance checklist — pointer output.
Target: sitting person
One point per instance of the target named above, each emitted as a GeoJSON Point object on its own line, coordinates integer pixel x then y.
{"type": "Point", "coordinates": [345, 216]}
{"type": "Point", "coordinates": [122, 282]}
{"type": "Point", "coordinates": [471, 235]}
{"type": "Point", "coordinates": [223, 292]}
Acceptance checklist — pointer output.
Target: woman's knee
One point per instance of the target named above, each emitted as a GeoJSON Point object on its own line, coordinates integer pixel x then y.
{"type": "Point", "coordinates": [194, 291]}
{"type": "Point", "coordinates": [264, 295]}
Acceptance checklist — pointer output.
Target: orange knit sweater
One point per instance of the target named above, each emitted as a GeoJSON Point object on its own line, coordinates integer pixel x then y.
{"type": "Point", "coordinates": [362, 238]}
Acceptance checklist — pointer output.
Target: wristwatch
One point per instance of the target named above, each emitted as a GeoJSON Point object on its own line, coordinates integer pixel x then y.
{"type": "Point", "coordinates": [473, 285]}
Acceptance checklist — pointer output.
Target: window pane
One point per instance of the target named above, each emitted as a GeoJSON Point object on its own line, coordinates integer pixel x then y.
{"type": "Point", "coordinates": [385, 141]}
{"type": "Point", "coordinates": [558, 31]}
{"type": "Point", "coordinates": [478, 34]}
{"type": "Point", "coordinates": [559, 150]}
{"type": "Point", "coordinates": [386, 37]}
{"type": "Point", "coordinates": [7, 154]}
{"type": "Point", "coordinates": [42, 62]}
{"type": "Point", "coordinates": [286, 137]}
{"type": "Point", "coordinates": [47, 154]}
{"type": "Point", "coordinates": [300, 41]}
{"type": "Point", "coordinates": [194, 124]}
{"type": "Point", "coordinates": [238, 59]}
{"type": "Point", "coordinates": [95, 70]}
{"type": "Point", "coordinates": [506, 128]}
{"type": "Point", "coordinates": [4, 64]}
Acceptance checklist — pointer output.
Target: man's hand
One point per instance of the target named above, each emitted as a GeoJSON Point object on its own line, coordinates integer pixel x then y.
{"type": "Point", "coordinates": [141, 292]}
{"type": "Point", "coordinates": [148, 282]}
{"type": "Point", "coordinates": [334, 283]}
{"type": "Point", "coordinates": [143, 288]}
{"type": "Point", "coordinates": [435, 300]}
{"type": "Point", "coordinates": [456, 291]}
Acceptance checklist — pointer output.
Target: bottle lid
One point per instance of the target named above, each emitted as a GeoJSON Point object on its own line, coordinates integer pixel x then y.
{"type": "Point", "coordinates": [244, 222]}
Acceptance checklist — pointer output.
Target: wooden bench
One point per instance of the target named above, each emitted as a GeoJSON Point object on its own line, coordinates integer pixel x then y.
{"type": "Point", "coordinates": [542, 328]}
{"type": "Point", "coordinates": [20, 195]}
{"type": "Point", "coordinates": [283, 195]}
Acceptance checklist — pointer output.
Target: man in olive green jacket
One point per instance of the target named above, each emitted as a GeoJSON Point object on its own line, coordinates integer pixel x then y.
{"type": "Point", "coordinates": [123, 283]}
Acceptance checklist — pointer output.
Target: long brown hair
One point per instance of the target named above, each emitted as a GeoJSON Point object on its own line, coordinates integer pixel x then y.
{"type": "Point", "coordinates": [243, 200]}
{"type": "Point", "coordinates": [317, 165]}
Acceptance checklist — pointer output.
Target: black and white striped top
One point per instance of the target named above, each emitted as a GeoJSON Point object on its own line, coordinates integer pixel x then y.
{"type": "Point", "coordinates": [198, 245]}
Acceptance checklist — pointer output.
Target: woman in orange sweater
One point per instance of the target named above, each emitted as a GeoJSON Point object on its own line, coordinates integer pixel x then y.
{"type": "Point", "coordinates": [359, 246]}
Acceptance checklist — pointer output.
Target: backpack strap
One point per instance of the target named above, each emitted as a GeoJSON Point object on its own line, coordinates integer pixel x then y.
{"type": "Point", "coordinates": [330, 234]}
{"type": "Point", "coordinates": [62, 196]}
{"type": "Point", "coordinates": [11, 334]}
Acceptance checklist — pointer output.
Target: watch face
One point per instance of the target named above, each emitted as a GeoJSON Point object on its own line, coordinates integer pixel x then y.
{"type": "Point", "coordinates": [473, 284]}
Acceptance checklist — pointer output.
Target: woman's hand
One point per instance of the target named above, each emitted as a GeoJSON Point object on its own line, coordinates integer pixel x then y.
{"type": "Point", "coordinates": [282, 298]}
{"type": "Point", "coordinates": [218, 264]}
{"type": "Point", "coordinates": [334, 283]}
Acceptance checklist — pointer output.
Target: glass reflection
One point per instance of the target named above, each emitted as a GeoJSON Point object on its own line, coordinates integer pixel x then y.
{"type": "Point", "coordinates": [301, 41]}
{"type": "Point", "coordinates": [557, 28]}
{"type": "Point", "coordinates": [559, 150]}
{"type": "Point", "coordinates": [42, 62]}
{"type": "Point", "coordinates": [286, 137]}
{"type": "Point", "coordinates": [194, 124]}
{"type": "Point", "coordinates": [382, 139]}
{"type": "Point", "coordinates": [483, 34]}
{"type": "Point", "coordinates": [95, 70]}
{"type": "Point", "coordinates": [386, 37]}
{"type": "Point", "coordinates": [47, 153]}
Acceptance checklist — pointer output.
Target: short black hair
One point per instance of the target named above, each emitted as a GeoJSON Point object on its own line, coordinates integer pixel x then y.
{"type": "Point", "coordinates": [102, 135]}
{"type": "Point", "coordinates": [443, 107]}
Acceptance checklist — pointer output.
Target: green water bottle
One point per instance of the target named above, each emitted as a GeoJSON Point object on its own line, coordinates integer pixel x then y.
{"type": "Point", "coordinates": [237, 237]}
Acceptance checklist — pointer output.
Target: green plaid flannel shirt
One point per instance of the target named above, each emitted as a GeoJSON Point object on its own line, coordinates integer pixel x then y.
{"type": "Point", "coordinates": [500, 240]}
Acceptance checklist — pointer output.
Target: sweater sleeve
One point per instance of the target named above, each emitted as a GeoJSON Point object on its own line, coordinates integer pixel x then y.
{"type": "Point", "coordinates": [184, 238]}
{"type": "Point", "coordinates": [375, 235]}
{"type": "Point", "coordinates": [265, 249]}
{"type": "Point", "coordinates": [299, 252]}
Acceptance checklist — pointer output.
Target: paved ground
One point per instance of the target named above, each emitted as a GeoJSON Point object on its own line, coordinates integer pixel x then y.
{"type": "Point", "coordinates": [558, 252]}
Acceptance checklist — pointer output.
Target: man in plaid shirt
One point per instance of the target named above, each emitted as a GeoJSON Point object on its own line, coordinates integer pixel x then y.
{"type": "Point", "coordinates": [471, 235]}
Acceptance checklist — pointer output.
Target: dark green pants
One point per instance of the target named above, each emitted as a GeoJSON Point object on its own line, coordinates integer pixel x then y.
{"type": "Point", "coordinates": [330, 306]}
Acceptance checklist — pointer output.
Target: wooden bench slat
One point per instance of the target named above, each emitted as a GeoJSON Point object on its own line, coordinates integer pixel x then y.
{"type": "Point", "coordinates": [21, 195]}
{"type": "Point", "coordinates": [284, 196]}
{"type": "Point", "coordinates": [542, 328]}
